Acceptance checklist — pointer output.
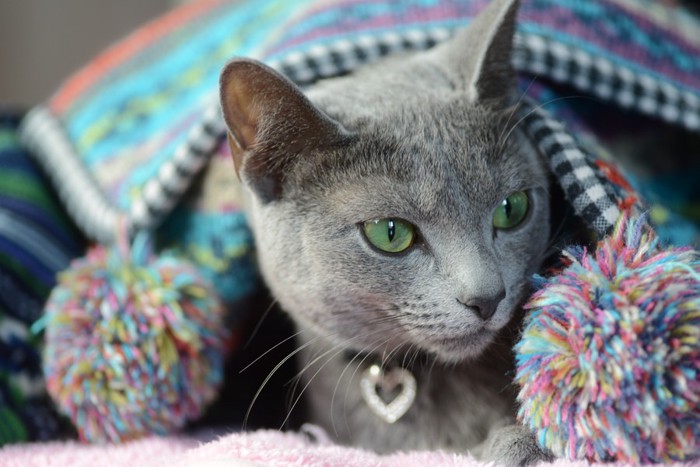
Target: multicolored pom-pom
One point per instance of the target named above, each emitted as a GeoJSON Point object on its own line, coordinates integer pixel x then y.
{"type": "Point", "coordinates": [609, 361]}
{"type": "Point", "coordinates": [134, 343]}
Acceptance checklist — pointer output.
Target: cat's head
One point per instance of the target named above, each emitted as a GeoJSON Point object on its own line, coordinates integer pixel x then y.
{"type": "Point", "coordinates": [395, 207]}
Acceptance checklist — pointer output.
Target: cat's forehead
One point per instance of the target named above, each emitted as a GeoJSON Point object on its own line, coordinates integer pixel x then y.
{"type": "Point", "coordinates": [417, 141]}
{"type": "Point", "coordinates": [420, 165]}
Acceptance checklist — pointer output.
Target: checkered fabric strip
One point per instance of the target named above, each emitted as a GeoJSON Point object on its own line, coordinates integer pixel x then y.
{"type": "Point", "coordinates": [607, 80]}
{"type": "Point", "coordinates": [162, 193]}
{"type": "Point", "coordinates": [589, 192]}
{"type": "Point", "coordinates": [89, 206]}
{"type": "Point", "coordinates": [344, 55]}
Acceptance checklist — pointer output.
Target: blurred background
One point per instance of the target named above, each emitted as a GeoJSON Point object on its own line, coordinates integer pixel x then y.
{"type": "Point", "coordinates": [45, 41]}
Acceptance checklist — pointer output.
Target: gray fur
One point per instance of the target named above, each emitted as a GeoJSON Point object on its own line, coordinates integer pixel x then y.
{"type": "Point", "coordinates": [422, 138]}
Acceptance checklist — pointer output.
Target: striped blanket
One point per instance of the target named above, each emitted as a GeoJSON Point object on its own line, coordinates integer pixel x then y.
{"type": "Point", "coordinates": [37, 240]}
{"type": "Point", "coordinates": [126, 136]}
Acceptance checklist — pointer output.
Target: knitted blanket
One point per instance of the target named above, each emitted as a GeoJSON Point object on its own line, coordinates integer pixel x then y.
{"type": "Point", "coordinates": [126, 136]}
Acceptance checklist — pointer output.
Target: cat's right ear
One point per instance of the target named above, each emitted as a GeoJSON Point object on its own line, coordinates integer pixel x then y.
{"type": "Point", "coordinates": [479, 57]}
{"type": "Point", "coordinates": [271, 123]}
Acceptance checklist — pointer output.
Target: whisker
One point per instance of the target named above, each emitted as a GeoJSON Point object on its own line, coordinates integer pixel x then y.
{"type": "Point", "coordinates": [296, 379]}
{"type": "Point", "coordinates": [318, 355]}
{"type": "Point", "coordinates": [340, 377]}
{"type": "Point", "coordinates": [516, 106]}
{"type": "Point", "coordinates": [387, 357]}
{"type": "Point", "coordinates": [408, 352]}
{"type": "Point", "coordinates": [270, 350]}
{"type": "Point", "coordinates": [416, 354]}
{"type": "Point", "coordinates": [269, 376]}
{"type": "Point", "coordinates": [432, 366]}
{"type": "Point", "coordinates": [343, 345]}
{"type": "Point", "coordinates": [536, 108]}
{"type": "Point", "coordinates": [308, 383]}
{"type": "Point", "coordinates": [258, 325]}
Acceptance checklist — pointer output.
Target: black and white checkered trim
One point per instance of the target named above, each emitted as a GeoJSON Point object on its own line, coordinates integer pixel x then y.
{"type": "Point", "coordinates": [586, 188]}
{"type": "Point", "coordinates": [343, 56]}
{"type": "Point", "coordinates": [607, 80]}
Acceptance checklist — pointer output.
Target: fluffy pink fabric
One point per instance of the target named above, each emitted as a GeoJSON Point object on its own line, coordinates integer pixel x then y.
{"type": "Point", "coordinates": [269, 448]}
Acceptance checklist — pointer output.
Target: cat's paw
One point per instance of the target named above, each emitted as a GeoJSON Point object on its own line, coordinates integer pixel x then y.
{"type": "Point", "coordinates": [514, 445]}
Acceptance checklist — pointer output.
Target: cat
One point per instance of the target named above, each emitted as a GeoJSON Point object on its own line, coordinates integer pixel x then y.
{"type": "Point", "coordinates": [398, 214]}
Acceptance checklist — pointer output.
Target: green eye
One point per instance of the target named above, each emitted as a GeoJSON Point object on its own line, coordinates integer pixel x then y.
{"type": "Point", "coordinates": [511, 211]}
{"type": "Point", "coordinates": [390, 235]}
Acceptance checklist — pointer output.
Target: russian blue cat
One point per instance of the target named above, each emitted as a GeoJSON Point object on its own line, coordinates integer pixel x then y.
{"type": "Point", "coordinates": [398, 213]}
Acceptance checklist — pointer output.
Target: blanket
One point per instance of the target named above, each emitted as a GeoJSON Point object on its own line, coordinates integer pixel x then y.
{"type": "Point", "coordinates": [262, 447]}
{"type": "Point", "coordinates": [37, 240]}
{"type": "Point", "coordinates": [127, 136]}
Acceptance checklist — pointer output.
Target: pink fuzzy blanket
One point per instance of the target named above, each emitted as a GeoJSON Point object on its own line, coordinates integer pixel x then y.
{"type": "Point", "coordinates": [264, 447]}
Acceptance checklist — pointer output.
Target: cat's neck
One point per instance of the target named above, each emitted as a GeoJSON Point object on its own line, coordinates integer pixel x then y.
{"type": "Point", "coordinates": [455, 405]}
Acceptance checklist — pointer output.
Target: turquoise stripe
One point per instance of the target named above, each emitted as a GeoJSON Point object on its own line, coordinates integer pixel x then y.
{"type": "Point", "coordinates": [364, 11]}
{"type": "Point", "coordinates": [138, 134]}
{"type": "Point", "coordinates": [42, 247]}
{"type": "Point", "coordinates": [139, 175]}
{"type": "Point", "coordinates": [150, 79]}
{"type": "Point", "coordinates": [146, 83]}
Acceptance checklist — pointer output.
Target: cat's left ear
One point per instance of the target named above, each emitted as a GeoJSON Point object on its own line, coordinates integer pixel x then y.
{"type": "Point", "coordinates": [479, 57]}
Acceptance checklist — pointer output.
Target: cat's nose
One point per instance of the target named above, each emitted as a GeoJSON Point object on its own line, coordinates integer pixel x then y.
{"type": "Point", "coordinates": [485, 306]}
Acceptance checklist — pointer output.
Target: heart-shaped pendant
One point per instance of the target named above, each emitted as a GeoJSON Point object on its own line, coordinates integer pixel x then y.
{"type": "Point", "coordinates": [375, 379]}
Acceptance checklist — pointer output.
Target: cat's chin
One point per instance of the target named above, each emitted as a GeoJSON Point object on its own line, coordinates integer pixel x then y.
{"type": "Point", "coordinates": [460, 349]}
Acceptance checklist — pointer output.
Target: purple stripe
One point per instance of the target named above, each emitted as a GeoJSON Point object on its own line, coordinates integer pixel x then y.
{"type": "Point", "coordinates": [652, 28]}
{"type": "Point", "coordinates": [346, 23]}
{"type": "Point", "coordinates": [587, 25]}
{"type": "Point", "coordinates": [566, 26]}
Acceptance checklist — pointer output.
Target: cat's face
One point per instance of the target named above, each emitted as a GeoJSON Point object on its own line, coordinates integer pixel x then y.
{"type": "Point", "coordinates": [398, 211]}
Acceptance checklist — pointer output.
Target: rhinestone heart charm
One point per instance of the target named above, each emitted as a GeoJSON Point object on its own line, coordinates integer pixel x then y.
{"type": "Point", "coordinates": [375, 381]}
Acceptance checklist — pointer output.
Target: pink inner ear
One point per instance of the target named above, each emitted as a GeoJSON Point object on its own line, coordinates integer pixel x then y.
{"type": "Point", "coordinates": [271, 122]}
{"type": "Point", "coordinates": [243, 86]}
{"type": "Point", "coordinates": [239, 90]}
{"type": "Point", "coordinates": [236, 153]}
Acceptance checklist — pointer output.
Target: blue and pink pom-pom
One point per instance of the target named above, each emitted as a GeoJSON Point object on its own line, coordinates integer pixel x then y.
{"type": "Point", "coordinates": [609, 361]}
{"type": "Point", "coordinates": [134, 343]}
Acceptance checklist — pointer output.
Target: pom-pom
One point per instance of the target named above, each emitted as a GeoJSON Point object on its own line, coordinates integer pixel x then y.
{"type": "Point", "coordinates": [609, 361]}
{"type": "Point", "coordinates": [134, 343]}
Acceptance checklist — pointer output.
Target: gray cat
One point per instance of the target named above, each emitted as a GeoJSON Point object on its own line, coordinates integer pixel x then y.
{"type": "Point", "coordinates": [398, 213]}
